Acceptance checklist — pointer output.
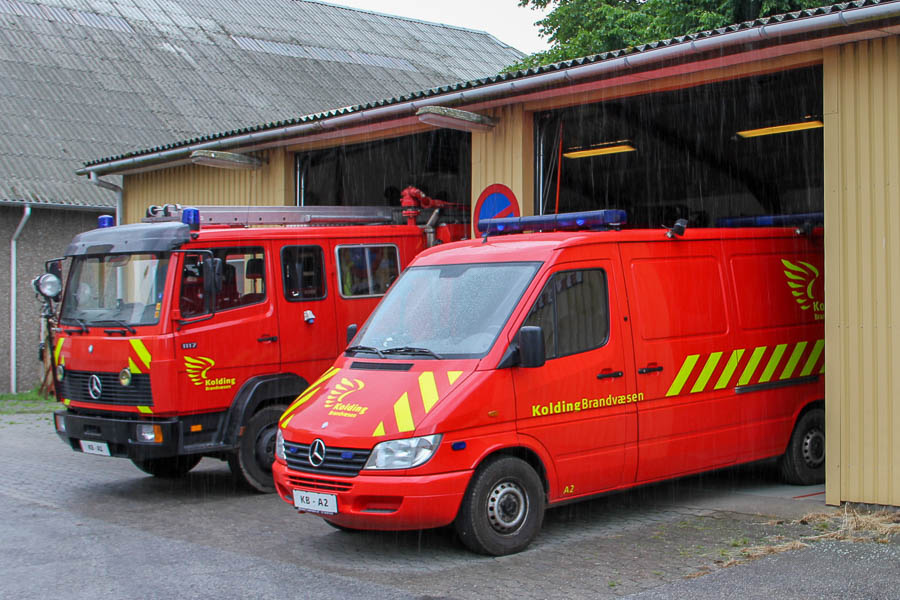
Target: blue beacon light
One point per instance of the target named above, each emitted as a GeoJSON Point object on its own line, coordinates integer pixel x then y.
{"type": "Point", "coordinates": [191, 218]}
{"type": "Point", "coordinates": [104, 221]}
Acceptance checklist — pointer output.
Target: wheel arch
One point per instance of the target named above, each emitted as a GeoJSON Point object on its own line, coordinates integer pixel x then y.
{"type": "Point", "coordinates": [258, 393]}
{"type": "Point", "coordinates": [523, 453]}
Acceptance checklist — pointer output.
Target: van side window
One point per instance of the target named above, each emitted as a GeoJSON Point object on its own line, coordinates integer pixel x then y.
{"type": "Point", "coordinates": [367, 270]}
{"type": "Point", "coordinates": [303, 272]}
{"type": "Point", "coordinates": [573, 312]}
{"type": "Point", "coordinates": [244, 280]}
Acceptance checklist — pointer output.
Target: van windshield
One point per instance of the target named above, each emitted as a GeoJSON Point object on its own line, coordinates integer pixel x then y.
{"type": "Point", "coordinates": [445, 311]}
{"type": "Point", "coordinates": [114, 289]}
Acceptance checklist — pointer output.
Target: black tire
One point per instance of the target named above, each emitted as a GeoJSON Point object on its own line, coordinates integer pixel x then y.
{"type": "Point", "coordinates": [503, 508]}
{"type": "Point", "coordinates": [171, 467]}
{"type": "Point", "coordinates": [803, 463]}
{"type": "Point", "coordinates": [251, 462]}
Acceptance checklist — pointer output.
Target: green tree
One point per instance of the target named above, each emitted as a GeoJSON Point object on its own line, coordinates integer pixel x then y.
{"type": "Point", "coordinates": [578, 28]}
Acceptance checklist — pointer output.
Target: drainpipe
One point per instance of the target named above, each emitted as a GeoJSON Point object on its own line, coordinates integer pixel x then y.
{"type": "Point", "coordinates": [13, 298]}
{"type": "Point", "coordinates": [106, 185]}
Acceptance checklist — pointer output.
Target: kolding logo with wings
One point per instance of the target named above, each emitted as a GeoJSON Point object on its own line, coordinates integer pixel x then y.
{"type": "Point", "coordinates": [337, 404]}
{"type": "Point", "coordinates": [197, 368]}
{"type": "Point", "coordinates": [801, 278]}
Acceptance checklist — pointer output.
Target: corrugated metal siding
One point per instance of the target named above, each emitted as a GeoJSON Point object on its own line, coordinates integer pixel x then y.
{"type": "Point", "coordinates": [862, 296]}
{"type": "Point", "coordinates": [506, 155]}
{"type": "Point", "coordinates": [198, 185]}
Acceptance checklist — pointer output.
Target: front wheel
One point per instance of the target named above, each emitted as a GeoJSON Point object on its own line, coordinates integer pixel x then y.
{"type": "Point", "coordinates": [252, 461]}
{"type": "Point", "coordinates": [503, 508]}
{"type": "Point", "coordinates": [803, 463]}
{"type": "Point", "coordinates": [170, 467]}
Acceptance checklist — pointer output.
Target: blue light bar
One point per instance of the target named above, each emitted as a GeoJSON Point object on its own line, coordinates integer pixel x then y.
{"type": "Point", "coordinates": [191, 218]}
{"type": "Point", "coordinates": [591, 219]}
{"type": "Point", "coordinates": [772, 220]}
{"type": "Point", "coordinates": [104, 221]}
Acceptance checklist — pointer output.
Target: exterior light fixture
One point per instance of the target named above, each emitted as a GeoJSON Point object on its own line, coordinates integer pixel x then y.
{"type": "Point", "coordinates": [601, 149]}
{"type": "Point", "coordinates": [452, 118]}
{"type": "Point", "coordinates": [224, 160]}
{"type": "Point", "coordinates": [808, 124]}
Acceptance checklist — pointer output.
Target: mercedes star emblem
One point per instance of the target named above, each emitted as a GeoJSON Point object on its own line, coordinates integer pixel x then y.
{"type": "Point", "coordinates": [317, 453]}
{"type": "Point", "coordinates": [94, 387]}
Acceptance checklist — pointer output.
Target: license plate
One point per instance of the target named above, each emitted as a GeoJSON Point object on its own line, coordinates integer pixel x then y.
{"type": "Point", "coordinates": [101, 448]}
{"type": "Point", "coordinates": [315, 502]}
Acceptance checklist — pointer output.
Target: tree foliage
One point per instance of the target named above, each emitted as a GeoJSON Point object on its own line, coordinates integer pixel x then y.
{"type": "Point", "coordinates": [578, 28]}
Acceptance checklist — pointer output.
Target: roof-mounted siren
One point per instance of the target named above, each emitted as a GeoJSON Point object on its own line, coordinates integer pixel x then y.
{"type": "Point", "coordinates": [104, 221]}
{"type": "Point", "coordinates": [190, 216]}
{"type": "Point", "coordinates": [166, 210]}
{"type": "Point", "coordinates": [597, 220]}
{"type": "Point", "coordinates": [803, 223]}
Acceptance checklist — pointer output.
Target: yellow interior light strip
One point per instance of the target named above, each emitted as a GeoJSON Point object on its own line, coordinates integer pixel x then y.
{"type": "Point", "coordinates": [749, 133]}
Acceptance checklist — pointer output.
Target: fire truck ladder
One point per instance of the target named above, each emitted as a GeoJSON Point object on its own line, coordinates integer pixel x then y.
{"type": "Point", "coordinates": [246, 216]}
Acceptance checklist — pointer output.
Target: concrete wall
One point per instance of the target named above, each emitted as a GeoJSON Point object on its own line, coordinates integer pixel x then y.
{"type": "Point", "coordinates": [45, 236]}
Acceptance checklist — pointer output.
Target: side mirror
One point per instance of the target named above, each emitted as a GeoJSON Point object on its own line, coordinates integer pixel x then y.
{"type": "Point", "coordinates": [54, 267]}
{"type": "Point", "coordinates": [352, 328]}
{"type": "Point", "coordinates": [531, 347]}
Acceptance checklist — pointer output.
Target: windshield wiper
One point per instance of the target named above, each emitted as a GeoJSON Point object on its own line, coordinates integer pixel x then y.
{"type": "Point", "coordinates": [118, 322]}
{"type": "Point", "coordinates": [82, 326]}
{"type": "Point", "coordinates": [364, 349]}
{"type": "Point", "coordinates": [412, 350]}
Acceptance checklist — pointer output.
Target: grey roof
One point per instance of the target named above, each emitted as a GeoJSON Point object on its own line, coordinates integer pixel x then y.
{"type": "Point", "coordinates": [84, 78]}
{"type": "Point", "coordinates": [502, 77]}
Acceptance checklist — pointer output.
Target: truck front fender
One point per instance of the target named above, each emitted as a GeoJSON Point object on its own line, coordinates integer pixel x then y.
{"type": "Point", "coordinates": [257, 393]}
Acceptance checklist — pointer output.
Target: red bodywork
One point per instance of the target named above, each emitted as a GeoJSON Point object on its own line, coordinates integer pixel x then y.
{"type": "Point", "coordinates": [711, 356]}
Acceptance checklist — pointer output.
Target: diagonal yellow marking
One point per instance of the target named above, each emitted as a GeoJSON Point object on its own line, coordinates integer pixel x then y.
{"type": "Point", "coordinates": [793, 360]}
{"type": "Point", "coordinates": [750, 369]}
{"type": "Point", "coordinates": [403, 414]}
{"type": "Point", "coordinates": [302, 398]}
{"type": "Point", "coordinates": [707, 372]}
{"type": "Point", "coordinates": [683, 375]}
{"type": "Point", "coordinates": [428, 387]}
{"type": "Point", "coordinates": [813, 358]}
{"type": "Point", "coordinates": [133, 367]}
{"type": "Point", "coordinates": [145, 410]}
{"type": "Point", "coordinates": [141, 350]}
{"type": "Point", "coordinates": [777, 353]}
{"type": "Point", "coordinates": [730, 367]}
{"type": "Point", "coordinates": [379, 431]}
{"type": "Point", "coordinates": [452, 376]}
{"type": "Point", "coordinates": [58, 349]}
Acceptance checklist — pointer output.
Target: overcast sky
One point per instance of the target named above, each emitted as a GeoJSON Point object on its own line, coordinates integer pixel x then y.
{"type": "Point", "coordinates": [504, 19]}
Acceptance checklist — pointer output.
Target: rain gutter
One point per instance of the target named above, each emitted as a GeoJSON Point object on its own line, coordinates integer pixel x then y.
{"type": "Point", "coordinates": [746, 37]}
{"type": "Point", "coordinates": [13, 297]}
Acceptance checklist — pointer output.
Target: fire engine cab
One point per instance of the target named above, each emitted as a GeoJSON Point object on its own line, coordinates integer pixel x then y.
{"type": "Point", "coordinates": [189, 334]}
{"type": "Point", "coordinates": [504, 375]}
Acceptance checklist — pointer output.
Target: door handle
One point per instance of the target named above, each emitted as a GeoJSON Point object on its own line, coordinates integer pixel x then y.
{"type": "Point", "coordinates": [267, 338]}
{"type": "Point", "coordinates": [610, 375]}
{"type": "Point", "coordinates": [645, 370]}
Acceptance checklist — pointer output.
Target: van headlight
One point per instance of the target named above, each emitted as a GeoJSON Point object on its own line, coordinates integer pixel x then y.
{"type": "Point", "coordinates": [403, 454]}
{"type": "Point", "coordinates": [279, 445]}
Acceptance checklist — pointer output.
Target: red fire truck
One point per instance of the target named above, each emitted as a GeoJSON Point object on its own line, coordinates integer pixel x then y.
{"type": "Point", "coordinates": [188, 335]}
{"type": "Point", "coordinates": [504, 375]}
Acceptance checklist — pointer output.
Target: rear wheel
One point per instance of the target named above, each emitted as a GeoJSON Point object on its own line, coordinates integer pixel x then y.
{"type": "Point", "coordinates": [503, 508]}
{"type": "Point", "coordinates": [252, 461]}
{"type": "Point", "coordinates": [170, 467]}
{"type": "Point", "coordinates": [804, 461]}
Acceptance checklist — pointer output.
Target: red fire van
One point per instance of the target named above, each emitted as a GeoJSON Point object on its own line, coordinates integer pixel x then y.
{"type": "Point", "coordinates": [503, 375]}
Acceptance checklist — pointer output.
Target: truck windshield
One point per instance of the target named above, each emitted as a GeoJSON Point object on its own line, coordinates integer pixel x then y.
{"type": "Point", "coordinates": [115, 289]}
{"type": "Point", "coordinates": [445, 311]}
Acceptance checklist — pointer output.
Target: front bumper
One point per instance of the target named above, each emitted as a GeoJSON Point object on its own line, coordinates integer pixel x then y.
{"type": "Point", "coordinates": [382, 502]}
{"type": "Point", "coordinates": [120, 435]}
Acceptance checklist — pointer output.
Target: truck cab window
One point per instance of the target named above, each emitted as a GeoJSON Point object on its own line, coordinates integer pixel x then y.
{"type": "Point", "coordinates": [244, 280]}
{"type": "Point", "coordinates": [303, 273]}
{"type": "Point", "coordinates": [367, 270]}
{"type": "Point", "coordinates": [573, 312]}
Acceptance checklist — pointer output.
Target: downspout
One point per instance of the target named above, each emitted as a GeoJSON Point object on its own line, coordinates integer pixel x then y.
{"type": "Point", "coordinates": [106, 185]}
{"type": "Point", "coordinates": [13, 298]}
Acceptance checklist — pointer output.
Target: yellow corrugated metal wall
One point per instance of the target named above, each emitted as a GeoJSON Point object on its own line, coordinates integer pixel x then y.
{"type": "Point", "coordinates": [272, 184]}
{"type": "Point", "coordinates": [862, 258]}
{"type": "Point", "coordinates": [505, 155]}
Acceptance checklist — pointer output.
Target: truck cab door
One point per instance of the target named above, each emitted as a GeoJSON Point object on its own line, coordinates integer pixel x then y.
{"type": "Point", "coordinates": [581, 404]}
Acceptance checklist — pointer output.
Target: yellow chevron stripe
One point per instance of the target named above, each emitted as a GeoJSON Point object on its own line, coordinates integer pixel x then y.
{"type": "Point", "coordinates": [750, 369]}
{"type": "Point", "coordinates": [133, 367]}
{"type": "Point", "coordinates": [302, 398]}
{"type": "Point", "coordinates": [428, 387]}
{"type": "Point", "coordinates": [379, 431]}
{"type": "Point", "coordinates": [57, 350]}
{"type": "Point", "coordinates": [146, 410]}
{"type": "Point", "coordinates": [452, 376]}
{"type": "Point", "coordinates": [813, 358]}
{"type": "Point", "coordinates": [777, 353]}
{"type": "Point", "coordinates": [683, 374]}
{"type": "Point", "coordinates": [403, 414]}
{"type": "Point", "coordinates": [730, 367]}
{"type": "Point", "coordinates": [707, 372]}
{"type": "Point", "coordinates": [66, 401]}
{"type": "Point", "coordinates": [793, 360]}
{"type": "Point", "coordinates": [141, 350]}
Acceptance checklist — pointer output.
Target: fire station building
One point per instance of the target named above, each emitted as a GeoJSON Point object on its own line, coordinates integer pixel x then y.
{"type": "Point", "coordinates": [790, 115]}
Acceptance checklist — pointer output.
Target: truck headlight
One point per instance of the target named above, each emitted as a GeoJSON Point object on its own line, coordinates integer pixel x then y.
{"type": "Point", "coordinates": [48, 285]}
{"type": "Point", "coordinates": [125, 377]}
{"type": "Point", "coordinates": [147, 432]}
{"type": "Point", "coordinates": [60, 372]}
{"type": "Point", "coordinates": [403, 454]}
{"type": "Point", "coordinates": [279, 445]}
